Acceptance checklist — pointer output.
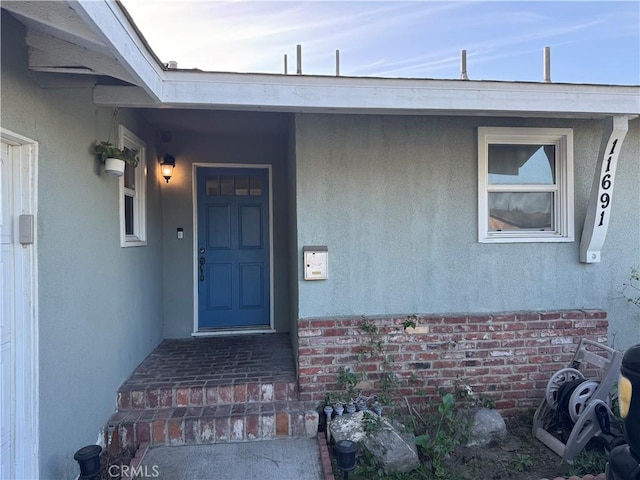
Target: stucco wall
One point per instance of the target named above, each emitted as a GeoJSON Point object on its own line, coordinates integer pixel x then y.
{"type": "Point", "coordinates": [395, 200]}
{"type": "Point", "coordinates": [177, 207]}
{"type": "Point", "coordinates": [99, 304]}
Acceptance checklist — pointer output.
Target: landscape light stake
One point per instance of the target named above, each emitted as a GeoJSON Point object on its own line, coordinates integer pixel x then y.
{"type": "Point", "coordinates": [346, 456]}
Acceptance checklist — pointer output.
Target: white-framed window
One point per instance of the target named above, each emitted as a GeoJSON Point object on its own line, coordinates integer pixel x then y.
{"type": "Point", "coordinates": [525, 184]}
{"type": "Point", "coordinates": [133, 190]}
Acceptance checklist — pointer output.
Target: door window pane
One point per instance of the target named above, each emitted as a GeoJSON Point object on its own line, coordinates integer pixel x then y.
{"type": "Point", "coordinates": [213, 186]}
{"type": "Point", "coordinates": [255, 186]}
{"type": "Point", "coordinates": [226, 185]}
{"type": "Point", "coordinates": [238, 185]}
{"type": "Point", "coordinates": [522, 164]}
{"type": "Point", "coordinates": [242, 186]}
{"type": "Point", "coordinates": [520, 211]}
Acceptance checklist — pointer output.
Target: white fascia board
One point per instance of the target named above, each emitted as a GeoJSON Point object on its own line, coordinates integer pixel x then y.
{"type": "Point", "coordinates": [399, 96]}
{"type": "Point", "coordinates": [130, 97]}
{"type": "Point", "coordinates": [115, 30]}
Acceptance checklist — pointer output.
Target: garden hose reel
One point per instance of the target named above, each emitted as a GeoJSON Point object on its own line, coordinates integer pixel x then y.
{"type": "Point", "coordinates": [568, 392]}
{"type": "Point", "coordinates": [580, 398]}
{"type": "Point", "coordinates": [558, 380]}
{"type": "Point", "coordinates": [573, 402]}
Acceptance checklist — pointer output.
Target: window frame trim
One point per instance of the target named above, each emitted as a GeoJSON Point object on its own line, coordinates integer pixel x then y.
{"type": "Point", "coordinates": [139, 238]}
{"type": "Point", "coordinates": [563, 209]}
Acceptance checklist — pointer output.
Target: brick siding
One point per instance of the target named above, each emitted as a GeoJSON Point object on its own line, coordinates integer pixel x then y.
{"type": "Point", "coordinates": [506, 356]}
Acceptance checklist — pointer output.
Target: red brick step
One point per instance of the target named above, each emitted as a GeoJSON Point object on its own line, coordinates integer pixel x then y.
{"type": "Point", "coordinates": [214, 424]}
{"type": "Point", "coordinates": [215, 389]}
{"type": "Point", "coordinates": [197, 395]}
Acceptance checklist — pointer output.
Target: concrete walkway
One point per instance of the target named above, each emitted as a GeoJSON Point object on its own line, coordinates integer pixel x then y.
{"type": "Point", "coordinates": [278, 459]}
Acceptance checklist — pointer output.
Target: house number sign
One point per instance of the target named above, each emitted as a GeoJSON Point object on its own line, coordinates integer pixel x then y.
{"type": "Point", "coordinates": [599, 210]}
{"type": "Point", "coordinates": [606, 184]}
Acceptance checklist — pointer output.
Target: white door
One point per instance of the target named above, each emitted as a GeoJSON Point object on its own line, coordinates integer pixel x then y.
{"type": "Point", "coordinates": [19, 450]}
{"type": "Point", "coordinates": [7, 320]}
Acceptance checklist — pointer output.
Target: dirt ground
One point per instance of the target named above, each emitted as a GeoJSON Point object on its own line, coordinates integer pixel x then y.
{"type": "Point", "coordinates": [519, 457]}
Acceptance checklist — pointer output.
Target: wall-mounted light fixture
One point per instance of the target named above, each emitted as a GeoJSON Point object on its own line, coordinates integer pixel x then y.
{"type": "Point", "coordinates": [166, 165]}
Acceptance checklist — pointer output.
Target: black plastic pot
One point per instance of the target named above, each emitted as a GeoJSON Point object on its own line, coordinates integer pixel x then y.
{"type": "Point", "coordinates": [89, 460]}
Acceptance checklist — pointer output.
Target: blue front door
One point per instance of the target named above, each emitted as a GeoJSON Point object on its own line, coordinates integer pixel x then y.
{"type": "Point", "coordinates": [233, 247]}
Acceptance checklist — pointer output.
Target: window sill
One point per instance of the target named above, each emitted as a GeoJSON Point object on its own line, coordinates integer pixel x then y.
{"type": "Point", "coordinates": [133, 243]}
{"type": "Point", "coordinates": [551, 238]}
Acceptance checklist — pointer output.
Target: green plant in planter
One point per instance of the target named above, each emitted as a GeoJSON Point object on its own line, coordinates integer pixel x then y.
{"type": "Point", "coordinates": [106, 150]}
{"type": "Point", "coordinates": [331, 398]}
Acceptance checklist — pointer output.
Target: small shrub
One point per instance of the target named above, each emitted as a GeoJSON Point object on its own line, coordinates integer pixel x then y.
{"type": "Point", "coordinates": [371, 423]}
{"type": "Point", "coordinates": [442, 436]}
{"type": "Point", "coordinates": [522, 462]}
{"type": "Point", "coordinates": [348, 380]}
{"type": "Point", "coordinates": [444, 427]}
{"type": "Point", "coordinates": [631, 290]}
{"type": "Point", "coordinates": [589, 462]}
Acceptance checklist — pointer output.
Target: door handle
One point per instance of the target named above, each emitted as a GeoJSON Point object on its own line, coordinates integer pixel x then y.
{"type": "Point", "coordinates": [202, 260]}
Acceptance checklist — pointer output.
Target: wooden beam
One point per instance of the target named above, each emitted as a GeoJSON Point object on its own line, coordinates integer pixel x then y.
{"type": "Point", "coordinates": [56, 19]}
{"type": "Point", "coordinates": [51, 54]}
{"type": "Point", "coordinates": [596, 222]}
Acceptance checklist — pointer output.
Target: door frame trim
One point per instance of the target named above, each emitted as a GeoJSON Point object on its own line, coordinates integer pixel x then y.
{"type": "Point", "coordinates": [194, 188]}
{"type": "Point", "coordinates": [24, 157]}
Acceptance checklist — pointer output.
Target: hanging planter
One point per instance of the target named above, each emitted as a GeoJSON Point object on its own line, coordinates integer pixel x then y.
{"type": "Point", "coordinates": [114, 166]}
{"type": "Point", "coordinates": [114, 158]}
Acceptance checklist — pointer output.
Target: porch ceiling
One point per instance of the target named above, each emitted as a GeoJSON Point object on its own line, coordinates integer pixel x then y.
{"type": "Point", "coordinates": [216, 122]}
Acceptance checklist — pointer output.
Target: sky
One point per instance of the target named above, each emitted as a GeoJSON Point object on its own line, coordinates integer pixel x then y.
{"type": "Point", "coordinates": [596, 42]}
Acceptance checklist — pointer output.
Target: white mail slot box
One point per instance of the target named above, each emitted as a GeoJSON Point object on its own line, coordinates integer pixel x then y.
{"type": "Point", "coordinates": [316, 263]}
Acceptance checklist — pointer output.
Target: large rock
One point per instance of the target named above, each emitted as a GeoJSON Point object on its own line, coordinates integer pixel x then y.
{"type": "Point", "coordinates": [348, 427]}
{"type": "Point", "coordinates": [394, 448]}
{"type": "Point", "coordinates": [487, 426]}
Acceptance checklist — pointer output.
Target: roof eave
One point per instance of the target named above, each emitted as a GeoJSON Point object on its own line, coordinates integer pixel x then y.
{"type": "Point", "coordinates": [304, 93]}
{"type": "Point", "coordinates": [160, 87]}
